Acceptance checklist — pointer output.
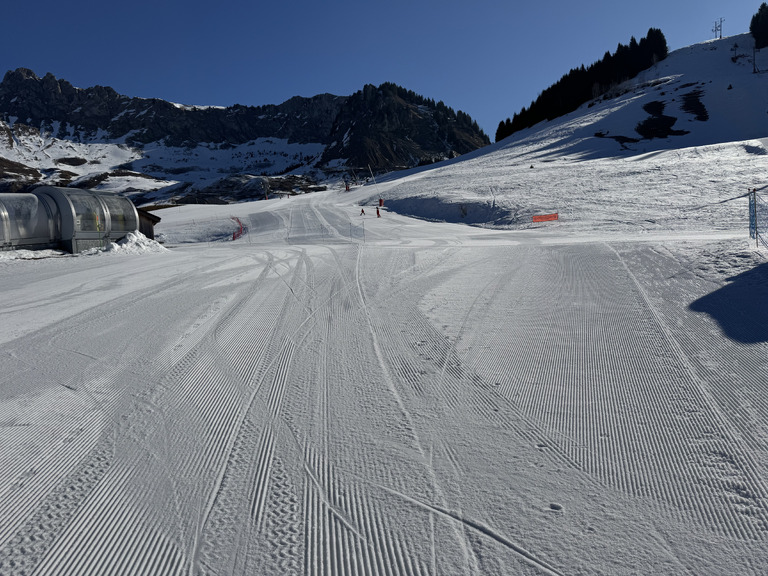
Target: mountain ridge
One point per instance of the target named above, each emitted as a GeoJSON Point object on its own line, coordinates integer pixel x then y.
{"type": "Point", "coordinates": [376, 129]}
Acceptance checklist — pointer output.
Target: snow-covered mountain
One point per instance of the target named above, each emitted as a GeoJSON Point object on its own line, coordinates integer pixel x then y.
{"type": "Point", "coordinates": [333, 392]}
{"type": "Point", "coordinates": [701, 107]}
{"type": "Point", "coordinates": [55, 133]}
{"type": "Point", "coordinates": [706, 94]}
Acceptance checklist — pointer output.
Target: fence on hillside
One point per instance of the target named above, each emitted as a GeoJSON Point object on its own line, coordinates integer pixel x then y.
{"type": "Point", "coordinates": [758, 218]}
{"type": "Point", "coordinates": [240, 228]}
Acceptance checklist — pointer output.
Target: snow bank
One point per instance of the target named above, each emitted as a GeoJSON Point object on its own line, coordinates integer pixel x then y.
{"type": "Point", "coordinates": [134, 243]}
{"type": "Point", "coordinates": [31, 254]}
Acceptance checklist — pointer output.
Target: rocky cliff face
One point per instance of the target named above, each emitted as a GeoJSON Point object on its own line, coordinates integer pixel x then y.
{"type": "Point", "coordinates": [82, 113]}
{"type": "Point", "coordinates": [385, 127]}
{"type": "Point", "coordinates": [390, 128]}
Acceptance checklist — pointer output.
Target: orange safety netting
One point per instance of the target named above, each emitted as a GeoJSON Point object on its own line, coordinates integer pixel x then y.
{"type": "Point", "coordinates": [545, 217]}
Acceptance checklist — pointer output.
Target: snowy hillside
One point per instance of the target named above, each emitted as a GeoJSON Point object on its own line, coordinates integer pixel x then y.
{"type": "Point", "coordinates": [210, 154]}
{"type": "Point", "coordinates": [153, 173]}
{"type": "Point", "coordinates": [710, 92]}
{"type": "Point", "coordinates": [338, 393]}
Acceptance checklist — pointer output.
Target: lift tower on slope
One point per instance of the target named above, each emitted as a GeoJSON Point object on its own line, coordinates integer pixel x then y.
{"type": "Point", "coordinates": [718, 28]}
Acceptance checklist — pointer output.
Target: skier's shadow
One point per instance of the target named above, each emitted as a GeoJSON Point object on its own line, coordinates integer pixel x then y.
{"type": "Point", "coordinates": [741, 306]}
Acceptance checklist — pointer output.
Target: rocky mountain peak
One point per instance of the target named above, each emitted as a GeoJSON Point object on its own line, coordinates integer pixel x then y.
{"type": "Point", "coordinates": [384, 128]}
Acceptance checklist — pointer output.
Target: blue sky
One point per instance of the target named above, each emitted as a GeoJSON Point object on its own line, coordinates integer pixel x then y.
{"type": "Point", "coordinates": [488, 58]}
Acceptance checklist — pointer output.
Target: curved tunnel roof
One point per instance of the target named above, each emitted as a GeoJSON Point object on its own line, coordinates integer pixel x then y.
{"type": "Point", "coordinates": [73, 218]}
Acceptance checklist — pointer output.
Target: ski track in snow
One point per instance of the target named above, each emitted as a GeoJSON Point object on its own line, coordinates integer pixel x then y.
{"type": "Point", "coordinates": [341, 395]}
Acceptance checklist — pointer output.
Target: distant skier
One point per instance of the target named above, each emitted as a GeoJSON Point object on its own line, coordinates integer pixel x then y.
{"type": "Point", "coordinates": [378, 214]}
{"type": "Point", "coordinates": [362, 212]}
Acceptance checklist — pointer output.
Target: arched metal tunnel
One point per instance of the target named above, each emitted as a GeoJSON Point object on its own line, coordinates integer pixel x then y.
{"type": "Point", "coordinates": [72, 219]}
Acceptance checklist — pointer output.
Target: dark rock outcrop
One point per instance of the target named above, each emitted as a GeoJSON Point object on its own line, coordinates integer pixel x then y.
{"type": "Point", "coordinates": [385, 127]}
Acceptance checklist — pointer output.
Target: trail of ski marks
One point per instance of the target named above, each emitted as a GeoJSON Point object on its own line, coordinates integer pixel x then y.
{"type": "Point", "coordinates": [723, 431]}
{"type": "Point", "coordinates": [594, 370]}
{"type": "Point", "coordinates": [183, 381]}
{"type": "Point", "coordinates": [260, 490]}
{"type": "Point", "coordinates": [481, 528]}
{"type": "Point", "coordinates": [433, 363]}
{"type": "Point", "coordinates": [356, 409]}
{"type": "Point", "coordinates": [272, 401]}
{"type": "Point", "coordinates": [95, 387]}
{"type": "Point", "coordinates": [271, 502]}
{"type": "Point", "coordinates": [441, 384]}
{"type": "Point", "coordinates": [36, 534]}
{"type": "Point", "coordinates": [347, 532]}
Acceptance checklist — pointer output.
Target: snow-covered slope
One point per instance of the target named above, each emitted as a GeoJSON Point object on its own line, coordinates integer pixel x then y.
{"type": "Point", "coordinates": [574, 164]}
{"type": "Point", "coordinates": [344, 394]}
{"type": "Point", "coordinates": [156, 172]}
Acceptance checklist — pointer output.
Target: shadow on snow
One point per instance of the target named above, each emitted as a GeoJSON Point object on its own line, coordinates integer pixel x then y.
{"type": "Point", "coordinates": [741, 306]}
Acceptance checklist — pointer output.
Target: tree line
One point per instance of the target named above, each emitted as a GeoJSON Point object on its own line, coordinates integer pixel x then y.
{"type": "Point", "coordinates": [582, 84]}
{"type": "Point", "coordinates": [443, 113]}
{"type": "Point", "coordinates": [758, 26]}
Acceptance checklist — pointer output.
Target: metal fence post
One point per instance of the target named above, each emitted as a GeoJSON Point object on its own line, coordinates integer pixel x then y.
{"type": "Point", "coordinates": [753, 215]}
{"type": "Point", "coordinates": [757, 230]}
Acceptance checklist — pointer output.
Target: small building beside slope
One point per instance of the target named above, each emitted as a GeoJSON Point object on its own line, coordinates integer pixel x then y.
{"type": "Point", "coordinates": [147, 222]}
{"type": "Point", "coordinates": [72, 219]}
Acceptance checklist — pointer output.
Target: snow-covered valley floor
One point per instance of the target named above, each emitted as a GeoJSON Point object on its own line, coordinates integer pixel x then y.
{"type": "Point", "coordinates": [344, 395]}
